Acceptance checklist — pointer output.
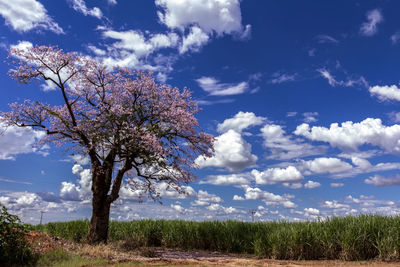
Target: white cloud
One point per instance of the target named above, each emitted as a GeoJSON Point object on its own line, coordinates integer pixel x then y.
{"type": "Point", "coordinates": [25, 15]}
{"type": "Point", "coordinates": [326, 165]}
{"type": "Point", "coordinates": [278, 78]}
{"type": "Point", "coordinates": [238, 198]}
{"type": "Point", "coordinates": [361, 81]}
{"type": "Point", "coordinates": [130, 40]}
{"type": "Point", "coordinates": [228, 179]}
{"type": "Point", "coordinates": [311, 185]}
{"type": "Point", "coordinates": [291, 114]}
{"type": "Point", "coordinates": [352, 135]}
{"type": "Point", "coordinates": [370, 28]}
{"type": "Point", "coordinates": [241, 121]}
{"type": "Point", "coordinates": [334, 204]}
{"type": "Point", "coordinates": [178, 208]}
{"type": "Point", "coordinates": [310, 117]}
{"type": "Point", "coordinates": [312, 211]}
{"type": "Point", "coordinates": [80, 6]}
{"type": "Point", "coordinates": [395, 38]}
{"type": "Point", "coordinates": [27, 199]}
{"type": "Point", "coordinates": [22, 45]}
{"type": "Point", "coordinates": [324, 38]}
{"type": "Point", "coordinates": [194, 40]}
{"type": "Point", "coordinates": [97, 51]}
{"type": "Point", "coordinates": [19, 140]}
{"type": "Point", "coordinates": [219, 16]}
{"type": "Point", "coordinates": [204, 199]}
{"type": "Point", "coordinates": [293, 185]}
{"type": "Point", "coordinates": [283, 147]}
{"type": "Point", "coordinates": [112, 2]}
{"type": "Point", "coordinates": [361, 163]}
{"type": "Point", "coordinates": [277, 175]}
{"type": "Point", "coordinates": [385, 93]}
{"type": "Point", "coordinates": [378, 180]}
{"type": "Point", "coordinates": [223, 210]}
{"type": "Point", "coordinates": [364, 166]}
{"type": "Point", "coordinates": [231, 152]}
{"type": "Point", "coordinates": [132, 49]}
{"type": "Point", "coordinates": [69, 191]}
{"type": "Point", "coordinates": [336, 184]}
{"type": "Point", "coordinates": [394, 116]}
{"type": "Point", "coordinates": [214, 87]}
{"type": "Point", "coordinates": [73, 192]}
{"type": "Point", "coordinates": [267, 197]}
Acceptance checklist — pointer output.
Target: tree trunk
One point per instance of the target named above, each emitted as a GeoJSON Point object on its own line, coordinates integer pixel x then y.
{"type": "Point", "coordinates": [99, 222]}
{"type": "Point", "coordinates": [98, 231]}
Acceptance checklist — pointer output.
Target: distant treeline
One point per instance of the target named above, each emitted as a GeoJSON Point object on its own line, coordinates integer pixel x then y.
{"type": "Point", "coordinates": [350, 238]}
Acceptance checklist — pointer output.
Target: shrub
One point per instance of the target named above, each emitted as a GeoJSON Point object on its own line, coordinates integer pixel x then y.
{"type": "Point", "coordinates": [14, 249]}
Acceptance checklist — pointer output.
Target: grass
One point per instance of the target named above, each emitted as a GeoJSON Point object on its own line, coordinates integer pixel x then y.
{"type": "Point", "coordinates": [361, 237]}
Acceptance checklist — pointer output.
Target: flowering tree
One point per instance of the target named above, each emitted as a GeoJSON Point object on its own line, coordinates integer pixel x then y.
{"type": "Point", "coordinates": [125, 122]}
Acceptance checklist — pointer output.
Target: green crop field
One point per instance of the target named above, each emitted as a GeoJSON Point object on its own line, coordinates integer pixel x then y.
{"type": "Point", "coordinates": [349, 238]}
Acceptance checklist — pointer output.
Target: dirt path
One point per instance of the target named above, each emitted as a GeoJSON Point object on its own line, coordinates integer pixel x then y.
{"type": "Point", "coordinates": [196, 258]}
{"type": "Point", "coordinates": [167, 257]}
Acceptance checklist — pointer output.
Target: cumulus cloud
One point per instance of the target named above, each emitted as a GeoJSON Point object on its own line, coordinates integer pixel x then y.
{"type": "Point", "coordinates": [379, 180]}
{"type": "Point", "coordinates": [212, 16]}
{"type": "Point", "coordinates": [140, 45]}
{"type": "Point", "coordinates": [283, 146]}
{"type": "Point", "coordinates": [228, 179]}
{"type": "Point", "coordinates": [370, 27]}
{"type": "Point", "coordinates": [326, 165]}
{"type": "Point", "coordinates": [277, 175]}
{"type": "Point", "coordinates": [16, 140]}
{"type": "Point", "coordinates": [254, 193]}
{"type": "Point", "coordinates": [385, 93]}
{"type": "Point", "coordinates": [351, 135]}
{"type": "Point", "coordinates": [310, 117]}
{"type": "Point", "coordinates": [22, 45]}
{"type": "Point", "coordinates": [293, 185]}
{"type": "Point", "coordinates": [312, 211]}
{"type": "Point", "coordinates": [194, 40]}
{"type": "Point", "coordinates": [231, 152]}
{"type": "Point", "coordinates": [204, 199]}
{"type": "Point", "coordinates": [241, 121]}
{"type": "Point", "coordinates": [135, 190]}
{"type": "Point", "coordinates": [334, 204]}
{"type": "Point", "coordinates": [178, 208]}
{"type": "Point", "coordinates": [214, 87]}
{"type": "Point", "coordinates": [311, 185]}
{"type": "Point", "coordinates": [82, 191]}
{"type": "Point", "coordinates": [219, 209]}
{"type": "Point", "coordinates": [133, 48]}
{"type": "Point", "coordinates": [80, 6]}
{"type": "Point", "coordinates": [26, 15]}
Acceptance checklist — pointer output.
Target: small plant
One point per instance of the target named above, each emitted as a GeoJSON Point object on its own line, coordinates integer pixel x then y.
{"type": "Point", "coordinates": [14, 249]}
{"type": "Point", "coordinates": [51, 257]}
{"type": "Point", "coordinates": [148, 252]}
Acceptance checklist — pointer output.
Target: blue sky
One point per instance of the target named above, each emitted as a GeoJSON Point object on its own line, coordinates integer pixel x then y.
{"type": "Point", "coordinates": [302, 97]}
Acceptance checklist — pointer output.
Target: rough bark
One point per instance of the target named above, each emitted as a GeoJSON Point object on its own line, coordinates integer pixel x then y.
{"type": "Point", "coordinates": [99, 222]}
{"type": "Point", "coordinates": [101, 200]}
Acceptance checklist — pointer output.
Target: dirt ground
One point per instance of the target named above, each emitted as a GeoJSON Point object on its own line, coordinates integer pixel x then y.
{"type": "Point", "coordinates": [167, 257]}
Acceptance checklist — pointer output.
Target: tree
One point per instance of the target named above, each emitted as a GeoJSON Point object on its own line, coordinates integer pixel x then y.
{"type": "Point", "coordinates": [126, 123]}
